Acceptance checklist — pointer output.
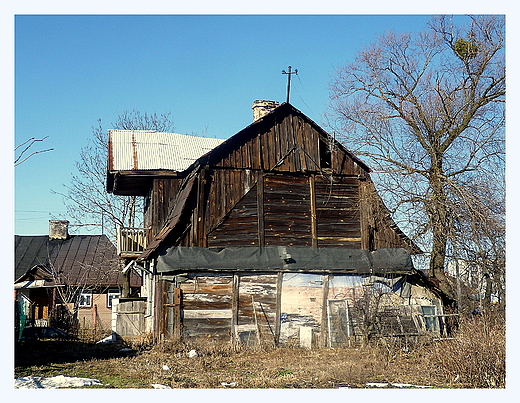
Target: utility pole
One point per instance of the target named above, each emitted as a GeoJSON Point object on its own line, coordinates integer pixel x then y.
{"type": "Point", "coordinates": [289, 73]}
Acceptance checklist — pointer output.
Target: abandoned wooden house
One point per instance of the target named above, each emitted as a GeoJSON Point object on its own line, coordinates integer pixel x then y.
{"type": "Point", "coordinates": [276, 234]}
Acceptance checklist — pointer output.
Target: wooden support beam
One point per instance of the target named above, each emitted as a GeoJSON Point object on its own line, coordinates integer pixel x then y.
{"type": "Point", "coordinates": [235, 294]}
{"type": "Point", "coordinates": [177, 309]}
{"type": "Point", "coordinates": [199, 224]}
{"type": "Point", "coordinates": [324, 316]}
{"type": "Point", "coordinates": [277, 324]}
{"type": "Point", "coordinates": [314, 228]}
{"type": "Point", "coordinates": [260, 209]}
{"type": "Point", "coordinates": [363, 215]}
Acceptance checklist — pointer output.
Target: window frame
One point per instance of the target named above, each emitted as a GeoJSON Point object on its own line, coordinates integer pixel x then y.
{"type": "Point", "coordinates": [89, 296]}
{"type": "Point", "coordinates": [431, 320]}
{"type": "Point", "coordinates": [111, 294]}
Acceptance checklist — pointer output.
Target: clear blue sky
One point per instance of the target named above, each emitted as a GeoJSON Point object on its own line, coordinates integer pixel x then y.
{"type": "Point", "coordinates": [72, 70]}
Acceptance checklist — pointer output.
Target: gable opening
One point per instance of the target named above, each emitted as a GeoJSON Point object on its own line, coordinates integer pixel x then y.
{"type": "Point", "coordinates": [325, 155]}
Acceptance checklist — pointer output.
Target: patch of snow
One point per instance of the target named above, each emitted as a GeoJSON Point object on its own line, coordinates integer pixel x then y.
{"type": "Point", "coordinates": [395, 385]}
{"type": "Point", "coordinates": [229, 385]}
{"type": "Point", "coordinates": [109, 339]}
{"type": "Point", "coordinates": [377, 385]}
{"type": "Point", "coordinates": [55, 382]}
{"type": "Point", "coordinates": [159, 386]}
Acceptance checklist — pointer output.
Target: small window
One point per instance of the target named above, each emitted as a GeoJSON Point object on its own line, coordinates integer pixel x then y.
{"type": "Point", "coordinates": [85, 299]}
{"type": "Point", "coordinates": [113, 293]}
{"type": "Point", "coordinates": [430, 317]}
{"type": "Point", "coordinates": [325, 155]}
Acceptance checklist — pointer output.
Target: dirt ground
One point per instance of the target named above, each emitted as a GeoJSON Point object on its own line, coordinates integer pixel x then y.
{"type": "Point", "coordinates": [120, 366]}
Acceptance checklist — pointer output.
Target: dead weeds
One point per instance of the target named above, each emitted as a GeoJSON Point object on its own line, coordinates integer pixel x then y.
{"type": "Point", "coordinates": [243, 368]}
{"type": "Point", "coordinates": [456, 363]}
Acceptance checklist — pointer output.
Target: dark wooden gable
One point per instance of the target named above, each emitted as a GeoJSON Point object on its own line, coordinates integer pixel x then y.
{"type": "Point", "coordinates": [280, 181]}
{"type": "Point", "coordinates": [285, 140]}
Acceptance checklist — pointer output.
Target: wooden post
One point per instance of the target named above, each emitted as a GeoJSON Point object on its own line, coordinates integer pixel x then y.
{"type": "Point", "coordinates": [95, 317]}
{"type": "Point", "coordinates": [314, 228]}
{"type": "Point", "coordinates": [260, 209]}
{"type": "Point", "coordinates": [324, 316]}
{"type": "Point", "coordinates": [158, 309]}
{"type": "Point", "coordinates": [256, 320]}
{"type": "Point", "coordinates": [126, 284]}
{"type": "Point", "coordinates": [278, 324]}
{"type": "Point", "coordinates": [234, 306]}
{"type": "Point", "coordinates": [199, 216]}
{"type": "Point", "coordinates": [177, 309]}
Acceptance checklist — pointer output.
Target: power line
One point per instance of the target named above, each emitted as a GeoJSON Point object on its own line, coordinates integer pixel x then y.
{"type": "Point", "coordinates": [306, 94]}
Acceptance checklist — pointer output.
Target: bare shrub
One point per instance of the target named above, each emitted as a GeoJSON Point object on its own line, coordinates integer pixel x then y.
{"type": "Point", "coordinates": [142, 342]}
{"type": "Point", "coordinates": [475, 357]}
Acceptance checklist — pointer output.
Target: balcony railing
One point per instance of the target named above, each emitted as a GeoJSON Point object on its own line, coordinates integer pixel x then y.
{"type": "Point", "coordinates": [131, 242]}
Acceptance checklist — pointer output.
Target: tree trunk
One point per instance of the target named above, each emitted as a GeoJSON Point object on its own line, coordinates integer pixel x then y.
{"type": "Point", "coordinates": [489, 288]}
{"type": "Point", "coordinates": [438, 213]}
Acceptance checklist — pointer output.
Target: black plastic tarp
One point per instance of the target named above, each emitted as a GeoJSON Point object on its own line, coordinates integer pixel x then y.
{"type": "Point", "coordinates": [282, 258]}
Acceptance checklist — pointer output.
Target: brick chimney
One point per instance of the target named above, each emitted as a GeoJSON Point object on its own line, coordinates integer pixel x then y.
{"type": "Point", "coordinates": [262, 108]}
{"type": "Point", "coordinates": [58, 229]}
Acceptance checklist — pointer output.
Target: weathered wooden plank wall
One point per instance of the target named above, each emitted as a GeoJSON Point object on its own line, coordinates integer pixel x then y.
{"type": "Point", "coordinates": [287, 214]}
{"type": "Point", "coordinates": [272, 307]}
{"type": "Point", "coordinates": [257, 307]}
{"type": "Point", "coordinates": [130, 318]}
{"type": "Point", "coordinates": [302, 205]}
{"type": "Point", "coordinates": [207, 303]}
{"type": "Point", "coordinates": [232, 214]}
{"type": "Point", "coordinates": [161, 200]}
{"type": "Point", "coordinates": [380, 231]}
{"type": "Point", "coordinates": [337, 212]}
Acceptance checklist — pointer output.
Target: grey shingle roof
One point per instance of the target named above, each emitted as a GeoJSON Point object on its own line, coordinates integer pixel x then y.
{"type": "Point", "coordinates": [80, 259]}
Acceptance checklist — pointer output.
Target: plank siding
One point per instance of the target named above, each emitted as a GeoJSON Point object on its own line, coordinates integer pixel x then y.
{"type": "Point", "coordinates": [381, 230]}
{"type": "Point", "coordinates": [287, 213]}
{"type": "Point", "coordinates": [338, 213]}
{"type": "Point", "coordinates": [207, 303]}
{"type": "Point", "coordinates": [257, 305]}
{"type": "Point", "coordinates": [240, 228]}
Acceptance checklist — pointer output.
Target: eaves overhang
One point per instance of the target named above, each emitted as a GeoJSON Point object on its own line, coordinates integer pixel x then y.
{"type": "Point", "coordinates": [136, 182]}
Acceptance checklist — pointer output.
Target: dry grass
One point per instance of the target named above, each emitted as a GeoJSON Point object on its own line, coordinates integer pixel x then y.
{"type": "Point", "coordinates": [467, 361]}
{"type": "Point", "coordinates": [476, 357]}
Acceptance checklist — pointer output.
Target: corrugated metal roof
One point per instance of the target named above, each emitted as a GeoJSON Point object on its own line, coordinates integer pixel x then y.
{"type": "Point", "coordinates": [150, 150]}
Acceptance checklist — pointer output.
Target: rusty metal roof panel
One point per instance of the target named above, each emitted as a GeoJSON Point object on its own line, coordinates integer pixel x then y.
{"type": "Point", "coordinates": [151, 150]}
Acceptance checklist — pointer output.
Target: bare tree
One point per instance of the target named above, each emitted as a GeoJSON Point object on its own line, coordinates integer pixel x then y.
{"type": "Point", "coordinates": [87, 202]}
{"type": "Point", "coordinates": [428, 113]}
{"type": "Point", "coordinates": [93, 277]}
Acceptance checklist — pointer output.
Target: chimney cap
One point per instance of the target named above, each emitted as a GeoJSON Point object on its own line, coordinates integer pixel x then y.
{"type": "Point", "coordinates": [262, 108]}
{"type": "Point", "coordinates": [58, 229]}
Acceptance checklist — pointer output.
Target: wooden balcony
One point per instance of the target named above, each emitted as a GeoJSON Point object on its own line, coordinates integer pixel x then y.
{"type": "Point", "coordinates": [131, 242]}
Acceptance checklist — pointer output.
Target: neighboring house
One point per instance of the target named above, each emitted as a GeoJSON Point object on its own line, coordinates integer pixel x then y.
{"type": "Point", "coordinates": [276, 234]}
{"type": "Point", "coordinates": [81, 272]}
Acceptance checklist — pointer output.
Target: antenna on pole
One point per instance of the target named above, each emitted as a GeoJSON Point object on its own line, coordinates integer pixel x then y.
{"type": "Point", "coordinates": [289, 73]}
